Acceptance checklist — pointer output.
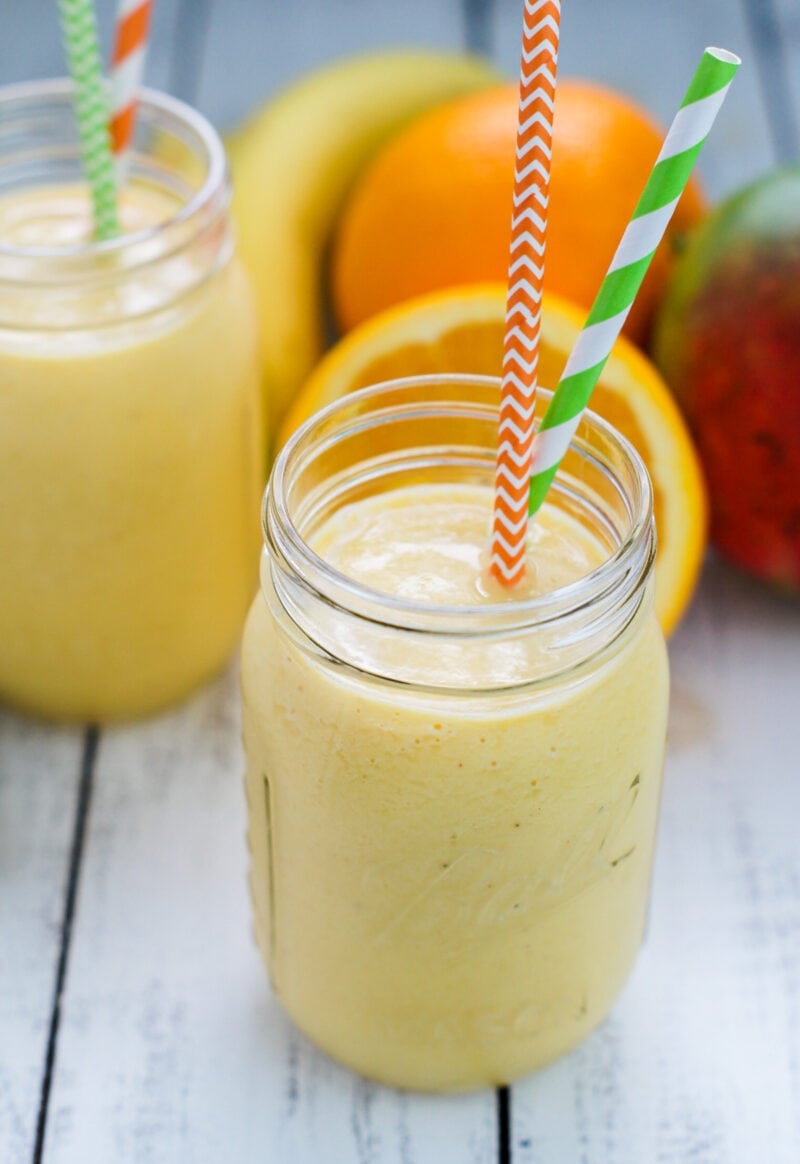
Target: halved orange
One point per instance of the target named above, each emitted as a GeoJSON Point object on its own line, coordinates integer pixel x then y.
{"type": "Point", "coordinates": [461, 330]}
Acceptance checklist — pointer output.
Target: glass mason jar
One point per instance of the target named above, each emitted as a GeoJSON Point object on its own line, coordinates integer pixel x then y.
{"type": "Point", "coordinates": [450, 855]}
{"type": "Point", "coordinates": [131, 446]}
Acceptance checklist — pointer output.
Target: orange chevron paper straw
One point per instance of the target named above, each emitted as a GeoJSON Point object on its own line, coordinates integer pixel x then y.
{"type": "Point", "coordinates": [127, 68]}
{"type": "Point", "coordinates": [537, 90]}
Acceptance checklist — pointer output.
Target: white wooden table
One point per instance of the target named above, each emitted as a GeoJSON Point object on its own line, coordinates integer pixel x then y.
{"type": "Point", "coordinates": [135, 1021]}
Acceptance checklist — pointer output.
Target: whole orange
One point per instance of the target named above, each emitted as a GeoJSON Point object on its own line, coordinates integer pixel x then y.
{"type": "Point", "coordinates": [433, 210]}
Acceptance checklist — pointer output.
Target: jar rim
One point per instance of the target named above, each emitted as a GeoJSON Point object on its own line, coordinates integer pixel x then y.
{"type": "Point", "coordinates": [626, 566]}
{"type": "Point", "coordinates": [60, 89]}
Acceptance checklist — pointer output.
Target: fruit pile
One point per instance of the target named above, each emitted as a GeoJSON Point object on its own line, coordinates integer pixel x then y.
{"type": "Point", "coordinates": [383, 185]}
{"type": "Point", "coordinates": [293, 166]}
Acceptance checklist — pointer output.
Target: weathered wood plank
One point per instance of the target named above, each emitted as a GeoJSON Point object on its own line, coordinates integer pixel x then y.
{"type": "Point", "coordinates": [775, 36]}
{"type": "Point", "coordinates": [788, 19]}
{"type": "Point", "coordinates": [39, 776]}
{"type": "Point", "coordinates": [171, 1048]}
{"type": "Point", "coordinates": [701, 1058]}
{"type": "Point", "coordinates": [252, 50]}
{"type": "Point", "coordinates": [189, 46]}
{"type": "Point", "coordinates": [650, 51]}
{"type": "Point", "coordinates": [478, 22]}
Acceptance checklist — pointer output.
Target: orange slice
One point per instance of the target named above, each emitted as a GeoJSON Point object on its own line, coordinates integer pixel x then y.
{"type": "Point", "coordinates": [461, 330]}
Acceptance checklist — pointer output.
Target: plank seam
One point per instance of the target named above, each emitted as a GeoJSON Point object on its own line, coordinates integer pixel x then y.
{"type": "Point", "coordinates": [765, 35]}
{"type": "Point", "coordinates": [188, 48]}
{"type": "Point", "coordinates": [478, 17]}
{"type": "Point", "coordinates": [504, 1125]}
{"type": "Point", "coordinates": [85, 785]}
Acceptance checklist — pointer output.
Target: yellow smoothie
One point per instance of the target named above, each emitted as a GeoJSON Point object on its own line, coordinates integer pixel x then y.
{"type": "Point", "coordinates": [130, 460]}
{"type": "Point", "coordinates": [450, 883]}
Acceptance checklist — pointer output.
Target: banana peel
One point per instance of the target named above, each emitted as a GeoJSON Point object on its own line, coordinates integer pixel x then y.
{"type": "Point", "coordinates": [293, 164]}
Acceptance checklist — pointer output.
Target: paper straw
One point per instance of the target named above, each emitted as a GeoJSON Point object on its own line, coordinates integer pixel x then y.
{"type": "Point", "coordinates": [91, 112]}
{"type": "Point", "coordinates": [127, 70]}
{"type": "Point", "coordinates": [537, 87]}
{"type": "Point", "coordinates": [666, 183]}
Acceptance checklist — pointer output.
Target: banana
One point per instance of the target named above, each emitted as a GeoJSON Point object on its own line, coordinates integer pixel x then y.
{"type": "Point", "coordinates": [293, 164]}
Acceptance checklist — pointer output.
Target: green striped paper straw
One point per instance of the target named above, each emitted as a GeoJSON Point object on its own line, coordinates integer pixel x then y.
{"type": "Point", "coordinates": [91, 111]}
{"type": "Point", "coordinates": [655, 208]}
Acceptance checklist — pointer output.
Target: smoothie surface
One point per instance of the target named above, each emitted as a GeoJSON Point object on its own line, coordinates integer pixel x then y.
{"type": "Point", "coordinates": [430, 544]}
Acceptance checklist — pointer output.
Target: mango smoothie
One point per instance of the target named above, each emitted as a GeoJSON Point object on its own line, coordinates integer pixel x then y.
{"type": "Point", "coordinates": [451, 833]}
{"type": "Point", "coordinates": [131, 452]}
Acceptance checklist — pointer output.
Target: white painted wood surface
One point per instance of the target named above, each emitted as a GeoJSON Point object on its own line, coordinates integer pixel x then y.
{"type": "Point", "coordinates": [170, 1048]}
{"type": "Point", "coordinates": [775, 28]}
{"type": "Point", "coordinates": [700, 1060]}
{"type": "Point", "coordinates": [39, 774]}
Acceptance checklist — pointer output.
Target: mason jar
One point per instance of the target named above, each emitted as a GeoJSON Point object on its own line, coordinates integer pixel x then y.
{"type": "Point", "coordinates": [452, 808]}
{"type": "Point", "coordinates": [131, 444]}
